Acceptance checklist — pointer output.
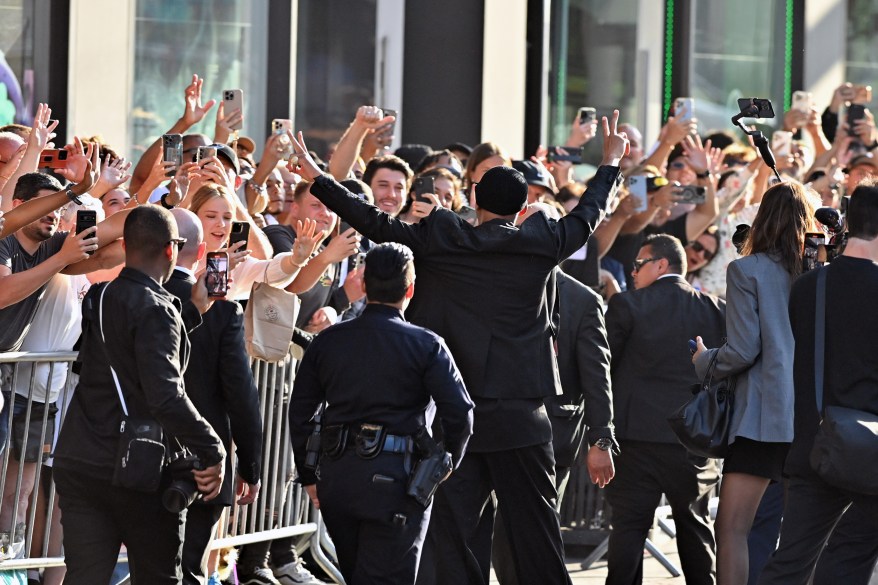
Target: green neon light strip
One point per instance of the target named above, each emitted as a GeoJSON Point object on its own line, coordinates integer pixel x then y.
{"type": "Point", "coordinates": [669, 54]}
{"type": "Point", "coordinates": [788, 57]}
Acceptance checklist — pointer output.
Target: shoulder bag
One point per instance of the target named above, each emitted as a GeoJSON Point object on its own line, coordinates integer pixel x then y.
{"type": "Point", "coordinates": [269, 320]}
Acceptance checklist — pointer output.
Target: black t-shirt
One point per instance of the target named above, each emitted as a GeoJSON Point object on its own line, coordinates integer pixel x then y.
{"type": "Point", "coordinates": [15, 320]}
{"type": "Point", "coordinates": [282, 238]}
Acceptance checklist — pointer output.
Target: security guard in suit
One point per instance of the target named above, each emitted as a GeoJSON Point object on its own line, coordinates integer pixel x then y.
{"type": "Point", "coordinates": [375, 377]}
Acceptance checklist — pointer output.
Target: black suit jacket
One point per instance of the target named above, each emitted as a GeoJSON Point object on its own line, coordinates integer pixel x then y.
{"type": "Point", "coordinates": [483, 289]}
{"type": "Point", "coordinates": [649, 330]}
{"type": "Point", "coordinates": [584, 366]}
{"type": "Point", "coordinates": [220, 384]}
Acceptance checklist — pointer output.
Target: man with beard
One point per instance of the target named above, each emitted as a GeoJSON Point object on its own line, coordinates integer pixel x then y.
{"type": "Point", "coordinates": [389, 177]}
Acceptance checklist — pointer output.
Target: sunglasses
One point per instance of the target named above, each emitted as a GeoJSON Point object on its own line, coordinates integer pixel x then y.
{"type": "Point", "coordinates": [677, 164]}
{"type": "Point", "coordinates": [179, 242]}
{"type": "Point", "coordinates": [638, 264]}
{"type": "Point", "coordinates": [700, 249]}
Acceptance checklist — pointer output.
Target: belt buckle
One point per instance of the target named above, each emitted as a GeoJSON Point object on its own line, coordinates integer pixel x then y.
{"type": "Point", "coordinates": [370, 440]}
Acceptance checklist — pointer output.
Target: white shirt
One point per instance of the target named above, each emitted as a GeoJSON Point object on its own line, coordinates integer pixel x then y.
{"type": "Point", "coordinates": [251, 270]}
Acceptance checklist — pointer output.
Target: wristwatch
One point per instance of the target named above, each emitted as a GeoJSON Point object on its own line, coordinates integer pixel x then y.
{"type": "Point", "coordinates": [164, 202]}
{"type": "Point", "coordinates": [73, 197]}
{"type": "Point", "coordinates": [604, 444]}
{"type": "Point", "coordinates": [704, 175]}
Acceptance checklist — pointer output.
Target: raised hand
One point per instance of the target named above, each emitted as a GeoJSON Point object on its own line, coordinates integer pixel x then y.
{"type": "Point", "coordinates": [113, 174]}
{"type": "Point", "coordinates": [301, 163]}
{"type": "Point", "coordinates": [697, 154]}
{"type": "Point", "coordinates": [225, 123]}
{"type": "Point", "coordinates": [616, 143]}
{"type": "Point", "coordinates": [372, 117]}
{"type": "Point", "coordinates": [43, 129]}
{"type": "Point", "coordinates": [342, 246]}
{"type": "Point", "coordinates": [193, 111]}
{"type": "Point", "coordinates": [308, 237]}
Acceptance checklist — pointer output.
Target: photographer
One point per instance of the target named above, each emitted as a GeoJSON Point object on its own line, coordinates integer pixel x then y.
{"type": "Point", "coordinates": [366, 436]}
{"type": "Point", "coordinates": [134, 345]}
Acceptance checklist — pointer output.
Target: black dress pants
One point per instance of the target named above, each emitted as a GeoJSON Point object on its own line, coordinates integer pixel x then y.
{"type": "Point", "coordinates": [524, 483]}
{"type": "Point", "coordinates": [98, 518]}
{"type": "Point", "coordinates": [378, 529]}
{"type": "Point", "coordinates": [644, 471]}
{"type": "Point", "coordinates": [850, 554]}
{"type": "Point", "coordinates": [812, 510]}
{"type": "Point", "coordinates": [201, 521]}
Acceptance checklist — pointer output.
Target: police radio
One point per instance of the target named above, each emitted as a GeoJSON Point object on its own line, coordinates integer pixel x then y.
{"type": "Point", "coordinates": [312, 446]}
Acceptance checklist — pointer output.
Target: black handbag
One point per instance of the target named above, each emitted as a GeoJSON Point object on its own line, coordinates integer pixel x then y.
{"type": "Point", "coordinates": [140, 454]}
{"type": "Point", "coordinates": [702, 424]}
{"type": "Point", "coordinates": [846, 444]}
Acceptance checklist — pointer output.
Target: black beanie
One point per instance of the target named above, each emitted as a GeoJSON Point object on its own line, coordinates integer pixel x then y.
{"type": "Point", "coordinates": [502, 190]}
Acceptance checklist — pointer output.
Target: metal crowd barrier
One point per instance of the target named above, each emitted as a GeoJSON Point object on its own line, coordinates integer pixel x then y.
{"type": "Point", "coordinates": [283, 509]}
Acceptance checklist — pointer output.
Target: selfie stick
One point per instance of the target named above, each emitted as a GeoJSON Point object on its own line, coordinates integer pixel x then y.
{"type": "Point", "coordinates": [759, 139]}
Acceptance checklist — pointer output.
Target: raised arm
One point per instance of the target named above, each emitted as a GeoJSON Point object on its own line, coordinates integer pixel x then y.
{"type": "Point", "coordinates": [368, 119]}
{"type": "Point", "coordinates": [41, 133]}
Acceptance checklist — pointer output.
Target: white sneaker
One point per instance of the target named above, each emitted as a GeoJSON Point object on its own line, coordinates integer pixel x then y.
{"type": "Point", "coordinates": [295, 574]}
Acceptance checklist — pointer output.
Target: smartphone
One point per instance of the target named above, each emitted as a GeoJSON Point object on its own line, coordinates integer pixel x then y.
{"type": "Point", "coordinates": [204, 152]}
{"type": "Point", "coordinates": [802, 101]}
{"type": "Point", "coordinates": [395, 114]}
{"type": "Point", "coordinates": [217, 277]}
{"type": "Point", "coordinates": [281, 126]}
{"type": "Point", "coordinates": [240, 233]}
{"type": "Point", "coordinates": [815, 251]}
{"type": "Point", "coordinates": [637, 189]}
{"type": "Point", "coordinates": [421, 187]}
{"type": "Point", "coordinates": [359, 260]}
{"type": "Point", "coordinates": [782, 143]}
{"type": "Point", "coordinates": [86, 218]}
{"type": "Point", "coordinates": [858, 94]}
{"type": "Point", "coordinates": [853, 113]}
{"type": "Point", "coordinates": [587, 115]}
{"type": "Point", "coordinates": [173, 151]}
{"type": "Point", "coordinates": [763, 107]}
{"type": "Point", "coordinates": [575, 158]}
{"type": "Point", "coordinates": [684, 108]}
{"type": "Point", "coordinates": [54, 158]}
{"type": "Point", "coordinates": [694, 194]}
{"type": "Point", "coordinates": [233, 99]}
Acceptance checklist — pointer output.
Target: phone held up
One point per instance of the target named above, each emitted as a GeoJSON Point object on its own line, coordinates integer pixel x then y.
{"type": "Point", "coordinates": [54, 158]}
{"type": "Point", "coordinates": [233, 99]}
{"type": "Point", "coordinates": [173, 151]}
{"type": "Point", "coordinates": [637, 189]}
{"type": "Point", "coordinates": [281, 126]}
{"type": "Point", "coordinates": [421, 187]}
{"type": "Point", "coordinates": [684, 109]}
{"type": "Point", "coordinates": [86, 218]}
{"type": "Point", "coordinates": [240, 233]}
{"type": "Point", "coordinates": [694, 194]}
{"type": "Point", "coordinates": [587, 115]}
{"type": "Point", "coordinates": [217, 276]}
{"type": "Point", "coordinates": [852, 114]}
{"type": "Point", "coordinates": [204, 152]}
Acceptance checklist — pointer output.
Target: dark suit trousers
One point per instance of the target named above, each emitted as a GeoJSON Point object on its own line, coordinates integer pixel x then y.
{"type": "Point", "coordinates": [201, 521]}
{"type": "Point", "coordinates": [850, 554]}
{"type": "Point", "coordinates": [644, 471]}
{"type": "Point", "coordinates": [97, 518]}
{"type": "Point", "coordinates": [524, 484]}
{"type": "Point", "coordinates": [812, 510]}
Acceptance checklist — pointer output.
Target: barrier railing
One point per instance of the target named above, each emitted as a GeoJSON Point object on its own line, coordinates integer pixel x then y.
{"type": "Point", "coordinates": [28, 509]}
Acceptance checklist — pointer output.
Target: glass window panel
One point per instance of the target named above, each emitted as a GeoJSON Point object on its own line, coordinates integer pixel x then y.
{"type": "Point", "coordinates": [335, 69]}
{"type": "Point", "coordinates": [223, 41]}
{"type": "Point", "coordinates": [731, 61]}
{"type": "Point", "coordinates": [16, 61]}
{"type": "Point", "coordinates": [862, 42]}
{"type": "Point", "coordinates": [593, 62]}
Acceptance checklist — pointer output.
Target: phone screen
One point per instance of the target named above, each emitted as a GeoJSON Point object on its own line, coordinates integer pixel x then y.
{"type": "Point", "coordinates": [815, 251]}
{"type": "Point", "coordinates": [217, 276]}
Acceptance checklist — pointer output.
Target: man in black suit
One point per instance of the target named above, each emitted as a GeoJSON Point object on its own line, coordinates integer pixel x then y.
{"type": "Point", "coordinates": [649, 329]}
{"type": "Point", "coordinates": [147, 348]}
{"type": "Point", "coordinates": [850, 380]}
{"type": "Point", "coordinates": [220, 385]}
{"type": "Point", "coordinates": [483, 289]}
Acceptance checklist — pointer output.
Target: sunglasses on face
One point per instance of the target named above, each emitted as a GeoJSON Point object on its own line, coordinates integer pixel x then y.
{"type": "Point", "coordinates": [700, 249]}
{"type": "Point", "coordinates": [677, 164]}
{"type": "Point", "coordinates": [638, 264]}
{"type": "Point", "coordinates": [179, 242]}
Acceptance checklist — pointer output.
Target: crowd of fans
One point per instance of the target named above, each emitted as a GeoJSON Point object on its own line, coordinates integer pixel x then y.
{"type": "Point", "coordinates": [296, 243]}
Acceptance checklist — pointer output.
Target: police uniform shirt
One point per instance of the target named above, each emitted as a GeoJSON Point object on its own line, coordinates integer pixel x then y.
{"type": "Point", "coordinates": [379, 369]}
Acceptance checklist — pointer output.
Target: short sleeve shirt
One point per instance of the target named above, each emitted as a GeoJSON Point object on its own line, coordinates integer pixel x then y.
{"type": "Point", "coordinates": [15, 320]}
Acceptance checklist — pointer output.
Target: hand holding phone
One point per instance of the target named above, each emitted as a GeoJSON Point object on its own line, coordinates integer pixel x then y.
{"type": "Point", "coordinates": [217, 275]}
{"type": "Point", "coordinates": [54, 158]}
{"type": "Point", "coordinates": [85, 219]}
{"type": "Point", "coordinates": [240, 233]}
{"type": "Point", "coordinates": [233, 99]}
{"type": "Point", "coordinates": [423, 186]}
{"type": "Point", "coordinates": [173, 152]}
{"type": "Point", "coordinates": [637, 190]}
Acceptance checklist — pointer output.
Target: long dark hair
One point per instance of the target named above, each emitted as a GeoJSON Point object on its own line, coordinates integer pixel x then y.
{"type": "Point", "coordinates": [783, 219]}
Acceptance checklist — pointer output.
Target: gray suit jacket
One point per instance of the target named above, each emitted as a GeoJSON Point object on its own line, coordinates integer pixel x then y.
{"type": "Point", "coordinates": [759, 349]}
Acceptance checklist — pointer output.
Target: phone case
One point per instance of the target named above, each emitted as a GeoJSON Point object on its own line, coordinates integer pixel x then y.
{"type": "Point", "coordinates": [637, 189]}
{"type": "Point", "coordinates": [233, 100]}
{"type": "Point", "coordinates": [54, 158]}
{"type": "Point", "coordinates": [173, 151]}
{"type": "Point", "coordinates": [801, 101]}
{"type": "Point", "coordinates": [684, 108]}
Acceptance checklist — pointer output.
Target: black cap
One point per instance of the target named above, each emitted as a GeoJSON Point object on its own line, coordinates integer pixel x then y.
{"type": "Point", "coordinates": [225, 151]}
{"type": "Point", "coordinates": [502, 190]}
{"type": "Point", "coordinates": [533, 173]}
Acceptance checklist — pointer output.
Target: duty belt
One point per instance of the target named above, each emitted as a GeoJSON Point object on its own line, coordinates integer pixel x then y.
{"type": "Point", "coordinates": [368, 439]}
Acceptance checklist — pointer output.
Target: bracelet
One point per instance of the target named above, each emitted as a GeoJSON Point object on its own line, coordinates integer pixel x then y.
{"type": "Point", "coordinates": [296, 264]}
{"type": "Point", "coordinates": [73, 197]}
{"type": "Point", "coordinates": [258, 188]}
{"type": "Point", "coordinates": [164, 202]}
{"type": "Point", "coordinates": [704, 175]}
{"type": "Point", "coordinates": [604, 444]}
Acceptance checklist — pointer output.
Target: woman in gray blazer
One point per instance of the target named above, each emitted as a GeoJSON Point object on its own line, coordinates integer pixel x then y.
{"type": "Point", "coordinates": [759, 351]}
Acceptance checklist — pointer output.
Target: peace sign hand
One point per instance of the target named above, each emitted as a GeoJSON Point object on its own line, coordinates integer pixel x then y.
{"type": "Point", "coordinates": [301, 163]}
{"type": "Point", "coordinates": [616, 143]}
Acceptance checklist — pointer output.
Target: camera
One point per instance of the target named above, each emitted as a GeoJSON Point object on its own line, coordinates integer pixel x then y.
{"type": "Point", "coordinates": [756, 107]}
{"type": "Point", "coordinates": [691, 194]}
{"type": "Point", "coordinates": [182, 491]}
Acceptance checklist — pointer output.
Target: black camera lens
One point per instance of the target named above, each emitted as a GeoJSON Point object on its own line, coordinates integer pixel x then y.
{"type": "Point", "coordinates": [182, 492]}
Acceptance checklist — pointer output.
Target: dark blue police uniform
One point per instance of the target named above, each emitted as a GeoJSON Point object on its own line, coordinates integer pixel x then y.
{"type": "Point", "coordinates": [377, 369]}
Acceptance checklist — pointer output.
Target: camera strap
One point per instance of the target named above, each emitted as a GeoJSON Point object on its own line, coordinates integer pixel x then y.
{"type": "Point", "coordinates": [103, 339]}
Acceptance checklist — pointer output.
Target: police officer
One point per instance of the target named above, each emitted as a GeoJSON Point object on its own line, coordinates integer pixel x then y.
{"type": "Point", "coordinates": [375, 376]}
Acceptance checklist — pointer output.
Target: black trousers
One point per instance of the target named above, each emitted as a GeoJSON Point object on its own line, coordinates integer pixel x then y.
{"type": "Point", "coordinates": [812, 510]}
{"type": "Point", "coordinates": [852, 550]}
{"type": "Point", "coordinates": [201, 521]}
{"type": "Point", "coordinates": [378, 530]}
{"type": "Point", "coordinates": [644, 471]}
{"type": "Point", "coordinates": [98, 518]}
{"type": "Point", "coordinates": [524, 483]}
